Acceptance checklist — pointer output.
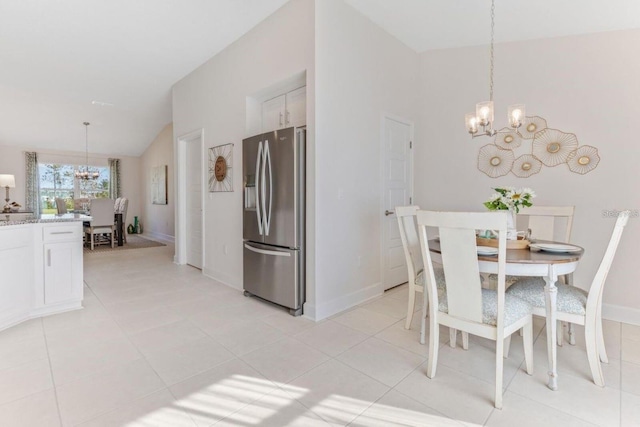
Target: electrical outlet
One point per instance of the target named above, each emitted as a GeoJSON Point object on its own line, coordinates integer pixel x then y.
{"type": "Point", "coordinates": [225, 249]}
{"type": "Point", "coordinates": [340, 193]}
{"type": "Point", "coordinates": [359, 260]}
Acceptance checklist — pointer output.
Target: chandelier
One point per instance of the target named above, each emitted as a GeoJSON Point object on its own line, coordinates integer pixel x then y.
{"type": "Point", "coordinates": [483, 117]}
{"type": "Point", "coordinates": [86, 174]}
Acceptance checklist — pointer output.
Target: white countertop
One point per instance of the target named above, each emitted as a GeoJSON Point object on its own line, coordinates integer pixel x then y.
{"type": "Point", "coordinates": [30, 219]}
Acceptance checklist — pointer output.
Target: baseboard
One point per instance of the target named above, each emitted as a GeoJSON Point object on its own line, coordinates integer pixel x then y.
{"type": "Point", "coordinates": [159, 236]}
{"type": "Point", "coordinates": [620, 313]}
{"type": "Point", "coordinates": [345, 302]}
{"type": "Point", "coordinates": [223, 278]}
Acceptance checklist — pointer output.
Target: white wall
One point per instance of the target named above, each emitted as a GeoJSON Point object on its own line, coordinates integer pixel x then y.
{"type": "Point", "coordinates": [213, 98]}
{"type": "Point", "coordinates": [12, 162]}
{"type": "Point", "coordinates": [587, 85]}
{"type": "Point", "coordinates": [361, 73]}
{"type": "Point", "coordinates": [158, 220]}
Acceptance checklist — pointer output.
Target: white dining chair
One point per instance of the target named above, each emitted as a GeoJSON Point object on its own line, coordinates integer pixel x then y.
{"type": "Point", "coordinates": [102, 221]}
{"type": "Point", "coordinates": [464, 305]}
{"type": "Point", "coordinates": [575, 305]}
{"type": "Point", "coordinates": [406, 216]}
{"type": "Point", "coordinates": [553, 223]}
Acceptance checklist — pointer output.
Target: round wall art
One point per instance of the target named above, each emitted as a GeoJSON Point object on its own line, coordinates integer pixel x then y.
{"type": "Point", "coordinates": [220, 168]}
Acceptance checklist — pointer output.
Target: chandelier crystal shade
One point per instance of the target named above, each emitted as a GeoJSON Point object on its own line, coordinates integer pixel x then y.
{"type": "Point", "coordinates": [481, 122]}
{"type": "Point", "coordinates": [86, 174]}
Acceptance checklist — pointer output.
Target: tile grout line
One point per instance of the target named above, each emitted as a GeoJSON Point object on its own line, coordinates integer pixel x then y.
{"type": "Point", "coordinates": [53, 382]}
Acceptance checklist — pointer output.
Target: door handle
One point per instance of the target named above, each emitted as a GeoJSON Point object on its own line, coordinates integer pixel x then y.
{"type": "Point", "coordinates": [266, 252]}
{"type": "Point", "coordinates": [281, 119]}
{"type": "Point", "coordinates": [388, 212]}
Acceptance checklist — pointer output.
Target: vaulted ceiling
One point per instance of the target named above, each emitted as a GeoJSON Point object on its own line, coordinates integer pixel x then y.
{"type": "Point", "coordinates": [113, 62]}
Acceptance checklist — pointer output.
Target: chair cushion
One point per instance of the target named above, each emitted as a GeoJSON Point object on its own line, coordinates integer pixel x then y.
{"type": "Point", "coordinates": [515, 308]}
{"type": "Point", "coordinates": [438, 272]}
{"type": "Point", "coordinates": [508, 280]}
{"type": "Point", "coordinates": [571, 299]}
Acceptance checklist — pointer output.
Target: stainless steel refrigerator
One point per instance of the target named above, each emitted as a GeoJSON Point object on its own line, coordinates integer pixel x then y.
{"type": "Point", "coordinates": [273, 217]}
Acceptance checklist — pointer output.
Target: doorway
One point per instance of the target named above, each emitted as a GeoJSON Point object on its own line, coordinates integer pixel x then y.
{"type": "Point", "coordinates": [397, 190]}
{"type": "Point", "coordinates": [190, 200]}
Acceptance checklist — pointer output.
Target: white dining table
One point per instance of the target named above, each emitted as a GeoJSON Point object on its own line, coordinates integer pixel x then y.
{"type": "Point", "coordinates": [525, 262]}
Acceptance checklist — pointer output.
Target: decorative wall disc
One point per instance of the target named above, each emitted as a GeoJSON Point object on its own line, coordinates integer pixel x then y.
{"type": "Point", "coordinates": [583, 160]}
{"type": "Point", "coordinates": [531, 125]}
{"type": "Point", "coordinates": [525, 166]}
{"type": "Point", "coordinates": [552, 147]}
{"type": "Point", "coordinates": [494, 161]}
{"type": "Point", "coordinates": [220, 168]}
{"type": "Point", "coordinates": [508, 139]}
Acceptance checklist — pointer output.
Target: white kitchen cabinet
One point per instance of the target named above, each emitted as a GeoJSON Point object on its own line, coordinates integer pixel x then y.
{"type": "Point", "coordinates": [41, 267]}
{"type": "Point", "coordinates": [16, 270]}
{"type": "Point", "coordinates": [62, 272]}
{"type": "Point", "coordinates": [273, 113]}
{"type": "Point", "coordinates": [62, 257]}
{"type": "Point", "coordinates": [296, 108]}
{"type": "Point", "coordinates": [285, 110]}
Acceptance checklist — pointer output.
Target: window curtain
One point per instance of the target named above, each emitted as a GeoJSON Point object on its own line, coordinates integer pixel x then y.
{"type": "Point", "coordinates": [114, 178]}
{"type": "Point", "coordinates": [32, 196]}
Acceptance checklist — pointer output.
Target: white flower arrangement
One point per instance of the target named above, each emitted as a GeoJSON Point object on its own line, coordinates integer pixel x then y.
{"type": "Point", "coordinates": [509, 198]}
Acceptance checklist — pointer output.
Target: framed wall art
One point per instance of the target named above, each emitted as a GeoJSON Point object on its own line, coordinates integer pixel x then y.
{"type": "Point", "coordinates": [159, 185]}
{"type": "Point", "coordinates": [221, 168]}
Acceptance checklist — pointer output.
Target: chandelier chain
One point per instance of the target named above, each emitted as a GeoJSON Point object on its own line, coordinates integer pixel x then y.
{"type": "Point", "coordinates": [493, 16]}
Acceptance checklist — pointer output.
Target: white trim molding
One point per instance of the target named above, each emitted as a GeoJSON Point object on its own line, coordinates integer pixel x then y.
{"type": "Point", "coordinates": [620, 313]}
{"type": "Point", "coordinates": [342, 303]}
{"type": "Point", "coordinates": [153, 235]}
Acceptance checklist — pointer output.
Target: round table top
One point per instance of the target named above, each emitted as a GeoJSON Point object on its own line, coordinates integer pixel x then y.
{"type": "Point", "coordinates": [526, 256]}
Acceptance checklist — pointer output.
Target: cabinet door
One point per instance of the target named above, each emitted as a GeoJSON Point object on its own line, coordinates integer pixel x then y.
{"type": "Point", "coordinates": [16, 278]}
{"type": "Point", "coordinates": [296, 114]}
{"type": "Point", "coordinates": [62, 272]}
{"type": "Point", "coordinates": [273, 114]}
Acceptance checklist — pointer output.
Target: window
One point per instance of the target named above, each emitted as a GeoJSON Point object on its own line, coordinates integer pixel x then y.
{"type": "Point", "coordinates": [58, 181]}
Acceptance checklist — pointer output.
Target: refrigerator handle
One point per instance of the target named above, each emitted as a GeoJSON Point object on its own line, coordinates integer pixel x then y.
{"type": "Point", "coordinates": [267, 162]}
{"type": "Point", "coordinates": [258, 162]}
{"type": "Point", "coordinates": [266, 252]}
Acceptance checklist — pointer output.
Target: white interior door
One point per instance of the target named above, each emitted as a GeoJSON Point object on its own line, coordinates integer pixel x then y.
{"type": "Point", "coordinates": [397, 191]}
{"type": "Point", "coordinates": [194, 202]}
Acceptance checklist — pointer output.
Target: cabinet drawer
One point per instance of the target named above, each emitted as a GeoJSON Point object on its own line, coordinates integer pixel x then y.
{"type": "Point", "coordinates": [60, 233]}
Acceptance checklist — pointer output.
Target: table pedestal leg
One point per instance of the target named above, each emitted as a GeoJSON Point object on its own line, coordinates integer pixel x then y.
{"type": "Point", "coordinates": [551, 296]}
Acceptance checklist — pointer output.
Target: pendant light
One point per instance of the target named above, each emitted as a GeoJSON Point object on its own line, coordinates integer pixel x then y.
{"type": "Point", "coordinates": [484, 115]}
{"type": "Point", "coordinates": [86, 175]}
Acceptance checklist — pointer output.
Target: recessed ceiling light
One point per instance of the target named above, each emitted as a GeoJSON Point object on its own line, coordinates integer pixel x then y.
{"type": "Point", "coordinates": [102, 104]}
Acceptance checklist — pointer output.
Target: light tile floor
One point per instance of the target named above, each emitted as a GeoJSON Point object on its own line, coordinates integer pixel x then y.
{"type": "Point", "coordinates": [161, 345]}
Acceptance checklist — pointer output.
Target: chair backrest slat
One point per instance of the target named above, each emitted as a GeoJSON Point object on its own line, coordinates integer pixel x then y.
{"type": "Point", "coordinates": [460, 263]}
{"type": "Point", "coordinates": [460, 260]}
{"type": "Point", "coordinates": [550, 222]}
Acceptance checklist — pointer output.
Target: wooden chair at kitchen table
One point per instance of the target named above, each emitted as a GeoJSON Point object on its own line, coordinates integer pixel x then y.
{"type": "Point", "coordinates": [406, 216]}
{"type": "Point", "coordinates": [61, 206]}
{"type": "Point", "coordinates": [464, 304]}
{"type": "Point", "coordinates": [575, 305]}
{"type": "Point", "coordinates": [120, 207]}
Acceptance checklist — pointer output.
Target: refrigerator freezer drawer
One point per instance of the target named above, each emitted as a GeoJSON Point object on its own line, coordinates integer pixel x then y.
{"type": "Point", "coordinates": [273, 274]}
